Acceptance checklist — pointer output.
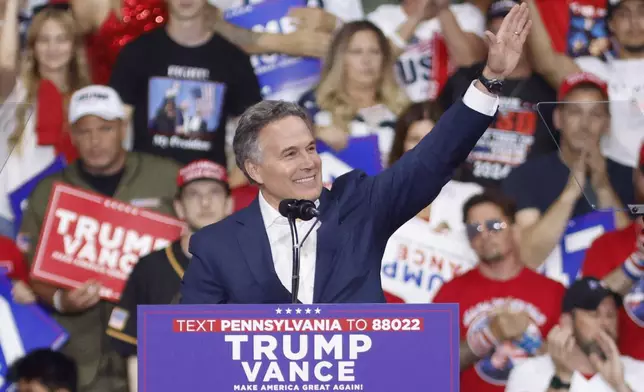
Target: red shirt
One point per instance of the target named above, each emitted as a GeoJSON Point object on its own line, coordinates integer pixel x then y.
{"type": "Point", "coordinates": [478, 295]}
{"type": "Point", "coordinates": [605, 254]}
{"type": "Point", "coordinates": [12, 260]}
{"type": "Point", "coordinates": [573, 25]}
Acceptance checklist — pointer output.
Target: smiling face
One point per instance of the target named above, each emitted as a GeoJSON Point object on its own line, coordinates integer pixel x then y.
{"type": "Point", "coordinates": [289, 165]}
{"type": "Point", "coordinates": [54, 47]}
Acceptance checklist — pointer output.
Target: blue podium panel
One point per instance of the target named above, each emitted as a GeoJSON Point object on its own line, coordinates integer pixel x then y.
{"type": "Point", "coordinates": [370, 347]}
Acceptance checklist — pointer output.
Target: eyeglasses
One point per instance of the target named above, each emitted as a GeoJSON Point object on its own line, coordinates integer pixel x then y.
{"type": "Point", "coordinates": [492, 225]}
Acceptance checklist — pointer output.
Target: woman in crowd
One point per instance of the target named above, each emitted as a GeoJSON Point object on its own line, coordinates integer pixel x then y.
{"type": "Point", "coordinates": [44, 75]}
{"type": "Point", "coordinates": [357, 94]}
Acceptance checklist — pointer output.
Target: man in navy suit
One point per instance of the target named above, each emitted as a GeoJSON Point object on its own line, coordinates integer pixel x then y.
{"type": "Point", "coordinates": [246, 258]}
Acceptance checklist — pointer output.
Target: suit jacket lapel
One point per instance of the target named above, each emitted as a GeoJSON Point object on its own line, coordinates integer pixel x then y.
{"type": "Point", "coordinates": [328, 242]}
{"type": "Point", "coordinates": [254, 244]}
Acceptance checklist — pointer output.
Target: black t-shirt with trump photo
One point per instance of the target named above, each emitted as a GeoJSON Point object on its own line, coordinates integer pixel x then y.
{"type": "Point", "coordinates": [518, 131]}
{"type": "Point", "coordinates": [155, 280]}
{"type": "Point", "coordinates": [182, 96]}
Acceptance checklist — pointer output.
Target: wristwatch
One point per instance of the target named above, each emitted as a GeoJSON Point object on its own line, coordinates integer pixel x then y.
{"type": "Point", "coordinates": [494, 86]}
{"type": "Point", "coordinates": [557, 384]}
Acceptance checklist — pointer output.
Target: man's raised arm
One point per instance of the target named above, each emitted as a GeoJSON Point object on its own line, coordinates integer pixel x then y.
{"type": "Point", "coordinates": [412, 183]}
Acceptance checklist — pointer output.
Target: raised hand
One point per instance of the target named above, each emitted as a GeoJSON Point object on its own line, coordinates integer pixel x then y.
{"type": "Point", "coordinates": [506, 325]}
{"type": "Point", "coordinates": [611, 368]}
{"type": "Point", "coordinates": [506, 46]}
{"type": "Point", "coordinates": [315, 19]}
{"type": "Point", "coordinates": [22, 294]}
{"type": "Point", "coordinates": [82, 298]}
{"type": "Point", "coordinates": [561, 344]}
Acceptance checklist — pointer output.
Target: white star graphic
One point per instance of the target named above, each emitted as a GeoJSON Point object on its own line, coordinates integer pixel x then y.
{"type": "Point", "coordinates": [288, 310]}
{"type": "Point", "coordinates": [317, 310]}
{"type": "Point", "coordinates": [298, 310]}
{"type": "Point", "coordinates": [307, 311]}
{"type": "Point", "coordinates": [278, 311]}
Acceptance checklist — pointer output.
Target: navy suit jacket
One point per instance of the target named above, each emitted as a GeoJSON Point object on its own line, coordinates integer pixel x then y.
{"type": "Point", "coordinates": [232, 261]}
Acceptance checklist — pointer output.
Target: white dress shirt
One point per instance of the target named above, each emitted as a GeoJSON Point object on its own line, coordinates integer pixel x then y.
{"type": "Point", "coordinates": [279, 238]}
{"type": "Point", "coordinates": [534, 375]}
{"type": "Point", "coordinates": [279, 234]}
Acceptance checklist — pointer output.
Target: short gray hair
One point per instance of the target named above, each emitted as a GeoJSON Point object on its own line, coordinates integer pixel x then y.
{"type": "Point", "coordinates": [256, 118]}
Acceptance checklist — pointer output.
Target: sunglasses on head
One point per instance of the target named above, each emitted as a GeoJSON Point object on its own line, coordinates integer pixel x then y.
{"type": "Point", "coordinates": [492, 225]}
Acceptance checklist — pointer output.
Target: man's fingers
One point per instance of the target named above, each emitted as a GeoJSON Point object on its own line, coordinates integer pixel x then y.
{"type": "Point", "coordinates": [596, 361]}
{"type": "Point", "coordinates": [526, 30]}
{"type": "Point", "coordinates": [509, 20]}
{"type": "Point", "coordinates": [522, 18]}
{"type": "Point", "coordinates": [607, 345]}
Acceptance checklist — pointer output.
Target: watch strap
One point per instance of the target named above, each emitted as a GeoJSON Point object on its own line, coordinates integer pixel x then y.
{"type": "Point", "coordinates": [556, 383]}
{"type": "Point", "coordinates": [492, 85]}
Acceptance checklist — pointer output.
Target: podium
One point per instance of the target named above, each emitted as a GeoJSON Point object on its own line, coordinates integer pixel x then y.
{"type": "Point", "coordinates": [297, 347]}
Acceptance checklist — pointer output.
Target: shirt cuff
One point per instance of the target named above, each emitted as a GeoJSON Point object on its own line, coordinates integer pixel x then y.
{"type": "Point", "coordinates": [483, 103]}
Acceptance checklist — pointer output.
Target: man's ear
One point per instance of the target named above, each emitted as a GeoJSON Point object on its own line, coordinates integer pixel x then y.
{"type": "Point", "coordinates": [253, 171]}
{"type": "Point", "coordinates": [178, 209]}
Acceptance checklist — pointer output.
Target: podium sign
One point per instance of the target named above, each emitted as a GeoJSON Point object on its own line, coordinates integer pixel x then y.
{"type": "Point", "coordinates": [361, 347]}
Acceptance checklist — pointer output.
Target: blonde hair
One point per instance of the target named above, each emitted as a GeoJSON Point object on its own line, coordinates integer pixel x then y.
{"type": "Point", "coordinates": [29, 74]}
{"type": "Point", "coordinates": [330, 93]}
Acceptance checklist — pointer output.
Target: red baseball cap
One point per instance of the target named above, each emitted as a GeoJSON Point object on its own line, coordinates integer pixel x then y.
{"type": "Point", "coordinates": [576, 79]}
{"type": "Point", "coordinates": [202, 169]}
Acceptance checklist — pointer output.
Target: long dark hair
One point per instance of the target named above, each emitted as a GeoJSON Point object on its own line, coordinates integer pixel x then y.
{"type": "Point", "coordinates": [426, 110]}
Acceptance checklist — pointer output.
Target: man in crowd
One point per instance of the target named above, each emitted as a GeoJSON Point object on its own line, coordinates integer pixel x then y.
{"type": "Point", "coordinates": [518, 129]}
{"type": "Point", "coordinates": [582, 354]}
{"type": "Point", "coordinates": [184, 82]}
{"type": "Point", "coordinates": [44, 370]}
{"type": "Point", "coordinates": [203, 198]}
{"type": "Point", "coordinates": [504, 313]}
{"type": "Point", "coordinates": [551, 189]}
{"type": "Point", "coordinates": [622, 72]}
{"type": "Point", "coordinates": [618, 258]}
{"type": "Point", "coordinates": [96, 115]}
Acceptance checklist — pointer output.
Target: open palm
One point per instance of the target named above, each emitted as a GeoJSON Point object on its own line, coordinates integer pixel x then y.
{"type": "Point", "coordinates": [506, 46]}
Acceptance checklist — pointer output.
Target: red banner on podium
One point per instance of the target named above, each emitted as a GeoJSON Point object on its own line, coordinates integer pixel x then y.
{"type": "Point", "coordinates": [89, 236]}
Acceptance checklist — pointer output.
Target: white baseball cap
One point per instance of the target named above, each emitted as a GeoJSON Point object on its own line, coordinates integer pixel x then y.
{"type": "Point", "coordinates": [96, 100]}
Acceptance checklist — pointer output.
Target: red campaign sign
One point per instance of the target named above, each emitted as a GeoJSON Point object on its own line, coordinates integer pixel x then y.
{"type": "Point", "coordinates": [89, 236]}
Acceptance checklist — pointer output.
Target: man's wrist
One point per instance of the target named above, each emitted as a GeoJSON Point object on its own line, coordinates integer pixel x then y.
{"type": "Point", "coordinates": [488, 74]}
{"type": "Point", "coordinates": [560, 381]}
{"type": "Point", "coordinates": [564, 376]}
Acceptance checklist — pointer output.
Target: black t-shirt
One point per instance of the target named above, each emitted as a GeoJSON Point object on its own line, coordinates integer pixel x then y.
{"type": "Point", "coordinates": [540, 180]}
{"type": "Point", "coordinates": [155, 280]}
{"type": "Point", "coordinates": [518, 132]}
{"type": "Point", "coordinates": [183, 96]}
{"type": "Point", "coordinates": [105, 185]}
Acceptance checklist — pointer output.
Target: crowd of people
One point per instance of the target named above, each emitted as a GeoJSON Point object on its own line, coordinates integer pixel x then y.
{"type": "Point", "coordinates": [138, 101]}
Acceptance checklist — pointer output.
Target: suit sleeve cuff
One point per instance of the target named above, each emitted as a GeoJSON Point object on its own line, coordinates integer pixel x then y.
{"type": "Point", "coordinates": [481, 102]}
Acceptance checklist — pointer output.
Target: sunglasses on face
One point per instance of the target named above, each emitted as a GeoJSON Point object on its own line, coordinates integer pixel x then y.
{"type": "Point", "coordinates": [492, 225]}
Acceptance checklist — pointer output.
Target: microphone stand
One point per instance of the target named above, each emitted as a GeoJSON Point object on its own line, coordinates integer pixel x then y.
{"type": "Point", "coordinates": [297, 245]}
{"type": "Point", "coordinates": [295, 280]}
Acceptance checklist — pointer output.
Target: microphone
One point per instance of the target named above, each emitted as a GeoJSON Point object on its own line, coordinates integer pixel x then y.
{"type": "Point", "coordinates": [298, 209]}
